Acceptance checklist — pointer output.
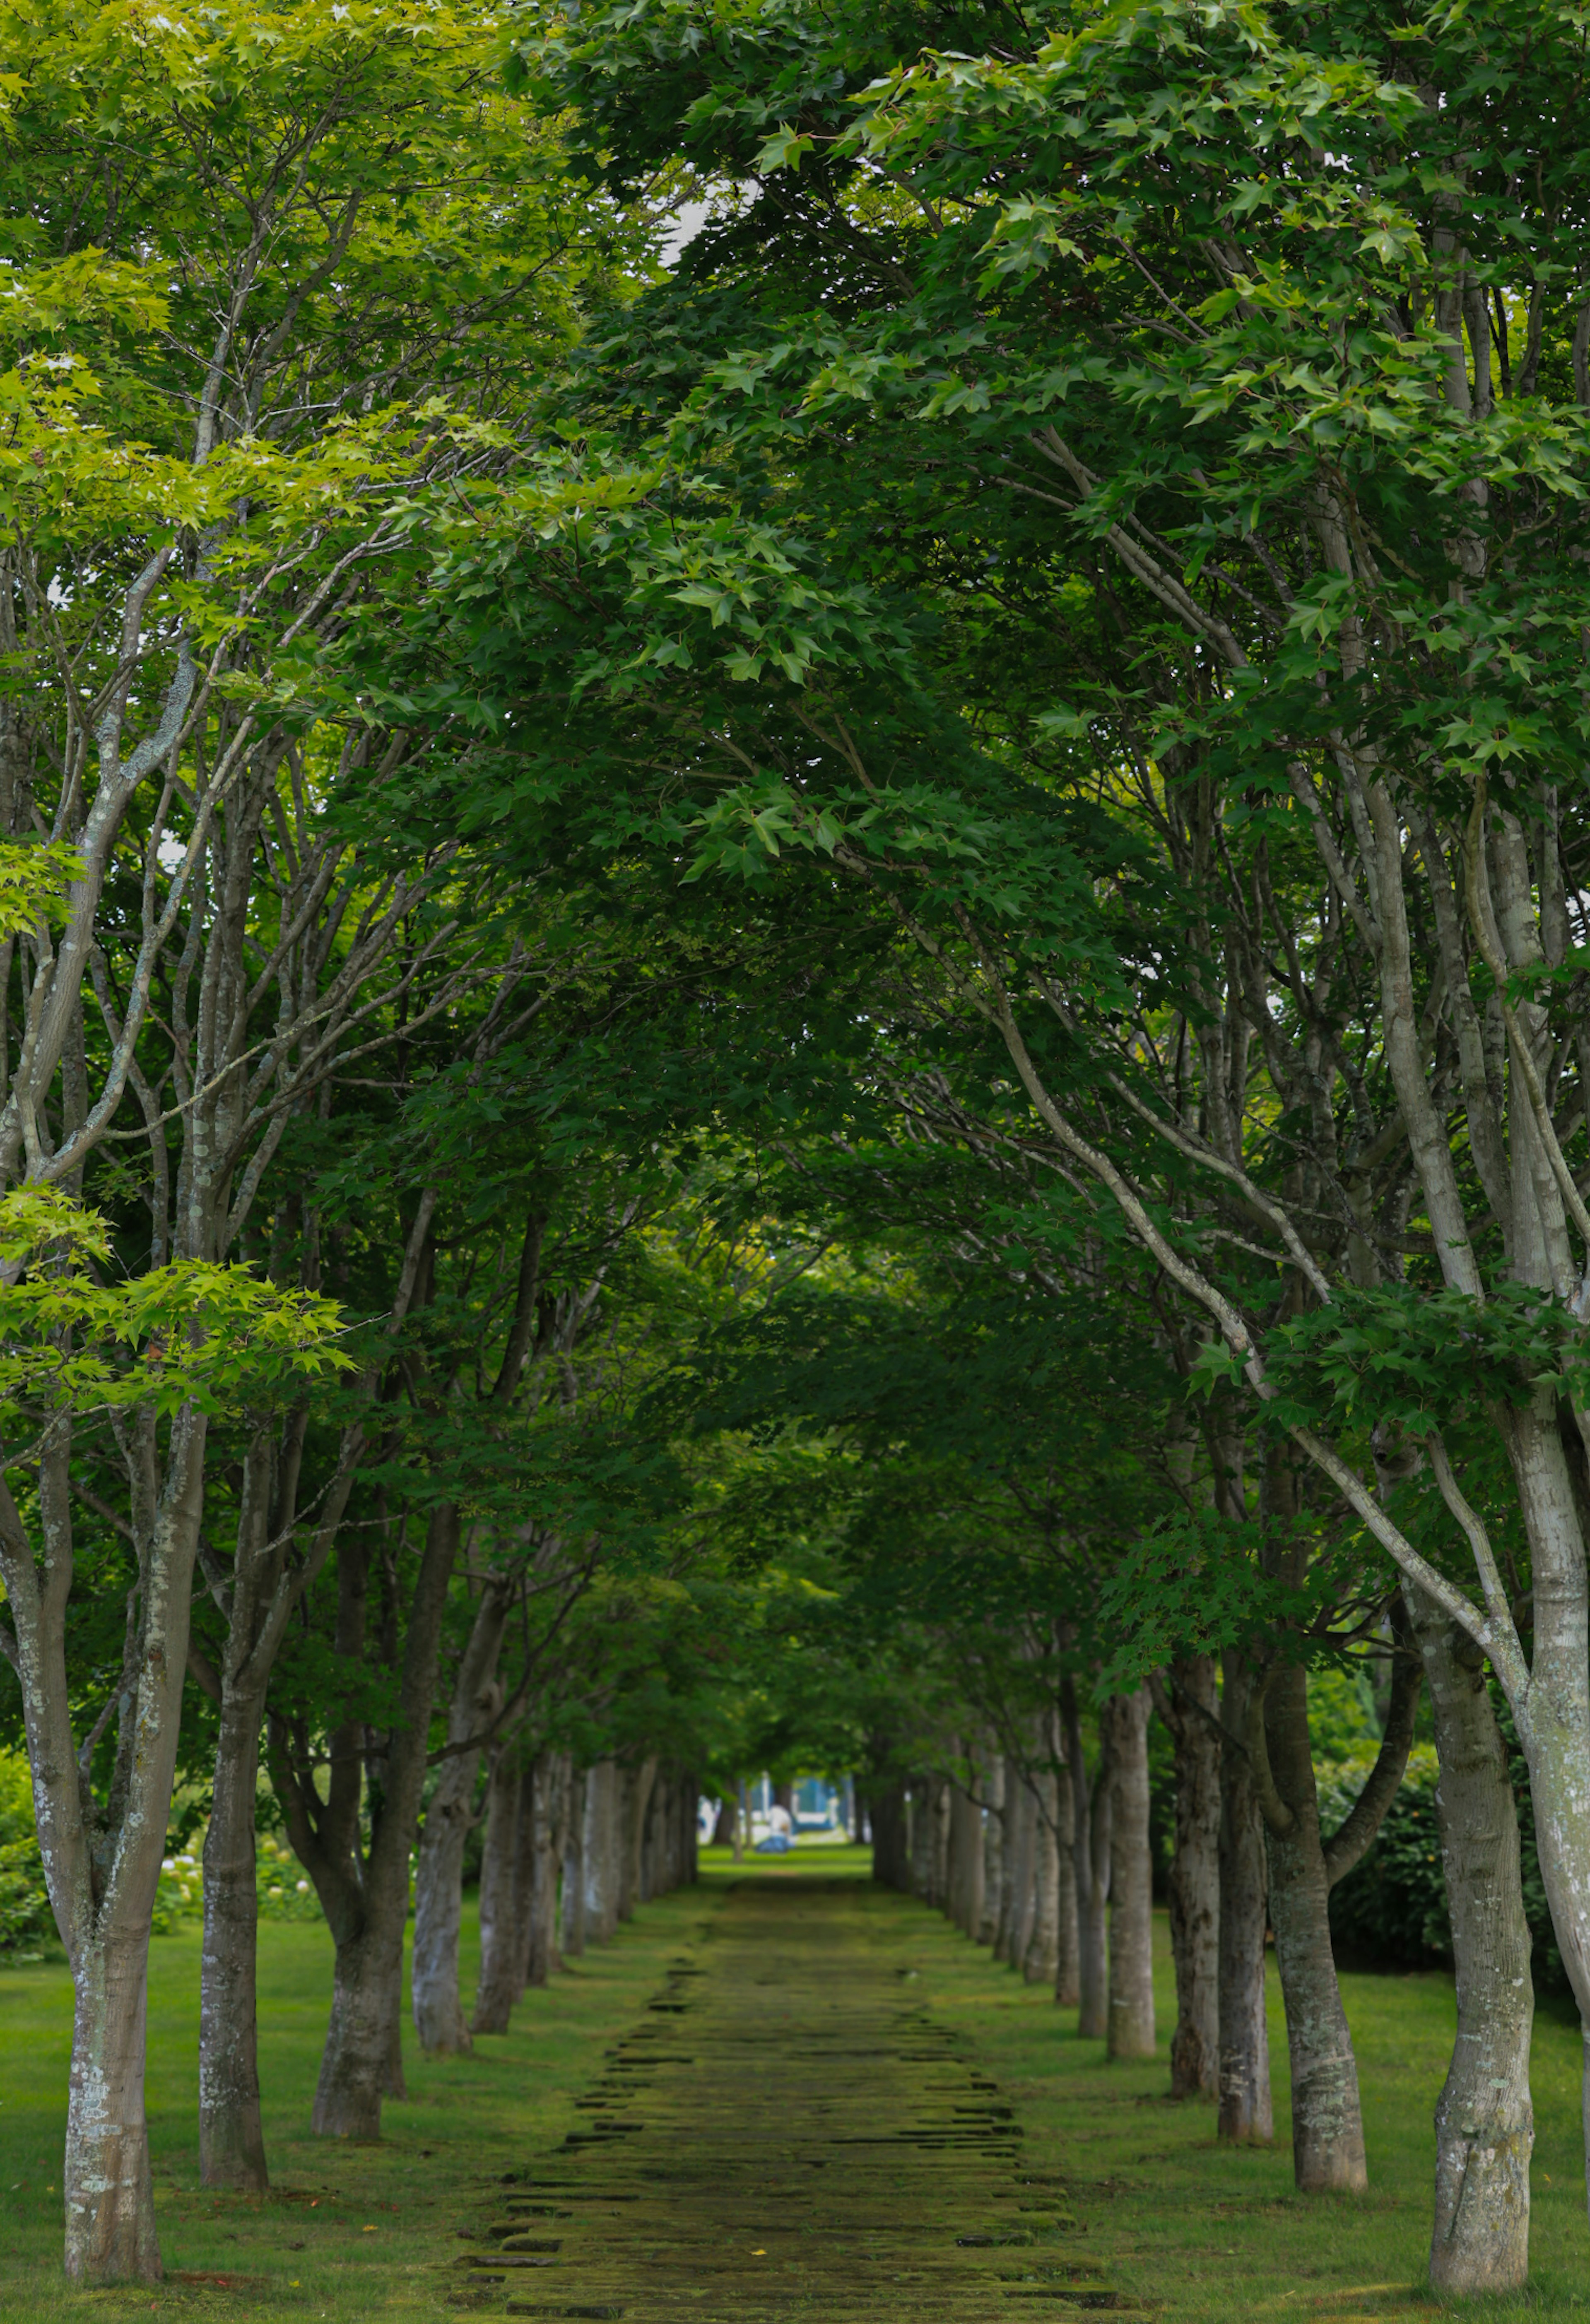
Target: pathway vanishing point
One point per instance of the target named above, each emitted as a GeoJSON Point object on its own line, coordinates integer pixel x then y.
{"type": "Point", "coordinates": [786, 2132]}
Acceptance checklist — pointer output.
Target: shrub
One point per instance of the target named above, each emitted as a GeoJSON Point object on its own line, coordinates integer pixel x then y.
{"type": "Point", "coordinates": [27, 1925]}
{"type": "Point", "coordinates": [1390, 1912]}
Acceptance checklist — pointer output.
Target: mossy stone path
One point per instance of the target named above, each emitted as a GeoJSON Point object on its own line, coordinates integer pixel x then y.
{"type": "Point", "coordinates": [786, 2132]}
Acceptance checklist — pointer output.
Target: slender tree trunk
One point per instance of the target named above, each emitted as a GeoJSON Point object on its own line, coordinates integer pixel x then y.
{"type": "Point", "coordinates": [1068, 1940]}
{"type": "Point", "coordinates": [231, 2137]}
{"type": "Point", "coordinates": [571, 1935]}
{"type": "Point", "coordinates": [885, 1810]}
{"type": "Point", "coordinates": [992, 1852]}
{"type": "Point", "coordinates": [494, 1992]}
{"type": "Point", "coordinates": [1010, 1815]}
{"type": "Point", "coordinates": [540, 1918]}
{"type": "Point", "coordinates": [938, 1889]}
{"type": "Point", "coordinates": [439, 1880]}
{"type": "Point", "coordinates": [965, 1861]}
{"type": "Point", "coordinates": [1090, 1859]}
{"type": "Point", "coordinates": [1484, 2124]}
{"type": "Point", "coordinates": [1327, 2125]}
{"type": "Point", "coordinates": [624, 1840]}
{"type": "Point", "coordinates": [601, 1853]}
{"type": "Point", "coordinates": [1131, 1962]}
{"type": "Point", "coordinates": [1023, 1871]}
{"type": "Point", "coordinates": [1041, 1961]}
{"type": "Point", "coordinates": [1246, 2112]}
{"type": "Point", "coordinates": [1195, 1881]}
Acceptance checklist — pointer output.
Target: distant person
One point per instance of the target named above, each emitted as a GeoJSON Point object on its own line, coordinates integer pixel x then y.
{"type": "Point", "coordinates": [780, 1820]}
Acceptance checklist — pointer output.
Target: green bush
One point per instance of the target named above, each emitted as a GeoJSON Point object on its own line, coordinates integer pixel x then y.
{"type": "Point", "coordinates": [1390, 1912]}
{"type": "Point", "coordinates": [27, 1925]}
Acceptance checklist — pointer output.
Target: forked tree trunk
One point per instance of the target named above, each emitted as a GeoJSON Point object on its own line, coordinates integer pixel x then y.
{"type": "Point", "coordinates": [101, 1875]}
{"type": "Point", "coordinates": [1246, 2110]}
{"type": "Point", "coordinates": [438, 1879]}
{"type": "Point", "coordinates": [1131, 1962]}
{"type": "Point", "coordinates": [993, 1851]}
{"type": "Point", "coordinates": [1195, 1879]}
{"type": "Point", "coordinates": [1090, 1864]}
{"type": "Point", "coordinates": [495, 1993]}
{"type": "Point", "coordinates": [366, 1892]}
{"type": "Point", "coordinates": [1041, 1958]}
{"type": "Point", "coordinates": [1484, 2124]}
{"type": "Point", "coordinates": [1327, 2124]}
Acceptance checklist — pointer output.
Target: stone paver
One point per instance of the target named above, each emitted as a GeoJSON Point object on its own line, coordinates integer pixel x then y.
{"type": "Point", "coordinates": [786, 2134]}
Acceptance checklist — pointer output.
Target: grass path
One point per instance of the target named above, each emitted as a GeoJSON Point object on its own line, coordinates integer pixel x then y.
{"type": "Point", "coordinates": [372, 2235]}
{"type": "Point", "coordinates": [790, 2131]}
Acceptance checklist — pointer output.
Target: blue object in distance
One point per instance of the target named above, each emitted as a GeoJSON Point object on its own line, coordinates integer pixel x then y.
{"type": "Point", "coordinates": [777, 1843]}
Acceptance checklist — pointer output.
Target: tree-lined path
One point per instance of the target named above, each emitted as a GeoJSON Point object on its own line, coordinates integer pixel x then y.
{"type": "Point", "coordinates": [787, 2131]}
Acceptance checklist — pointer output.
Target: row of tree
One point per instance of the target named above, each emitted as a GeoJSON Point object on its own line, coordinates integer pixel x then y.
{"type": "Point", "coordinates": [792, 998]}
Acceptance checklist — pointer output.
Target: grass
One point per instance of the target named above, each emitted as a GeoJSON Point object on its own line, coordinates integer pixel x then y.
{"type": "Point", "coordinates": [355, 2233]}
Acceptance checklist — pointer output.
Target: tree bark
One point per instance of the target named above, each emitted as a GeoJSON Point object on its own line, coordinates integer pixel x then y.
{"type": "Point", "coordinates": [1023, 1869]}
{"type": "Point", "coordinates": [1246, 2111]}
{"type": "Point", "coordinates": [601, 1853]}
{"type": "Point", "coordinates": [364, 1893]}
{"type": "Point", "coordinates": [1090, 1862]}
{"type": "Point", "coordinates": [540, 1917]}
{"type": "Point", "coordinates": [1009, 1816]}
{"type": "Point", "coordinates": [1485, 2123]}
{"type": "Point", "coordinates": [1132, 1963]}
{"type": "Point", "coordinates": [993, 1851]}
{"type": "Point", "coordinates": [494, 1992]}
{"type": "Point", "coordinates": [1067, 1943]}
{"type": "Point", "coordinates": [1041, 1961]}
{"type": "Point", "coordinates": [1195, 1879]}
{"type": "Point", "coordinates": [965, 1902]}
{"type": "Point", "coordinates": [571, 1934]}
{"type": "Point", "coordinates": [231, 2135]}
{"type": "Point", "coordinates": [439, 1880]}
{"type": "Point", "coordinates": [886, 1808]}
{"type": "Point", "coordinates": [1327, 2125]}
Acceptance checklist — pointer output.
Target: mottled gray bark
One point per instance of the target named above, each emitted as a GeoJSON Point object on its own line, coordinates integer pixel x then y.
{"type": "Point", "coordinates": [965, 1899]}
{"type": "Point", "coordinates": [571, 1930]}
{"type": "Point", "coordinates": [1327, 2125]}
{"type": "Point", "coordinates": [992, 1852]}
{"type": "Point", "coordinates": [1246, 2108]}
{"type": "Point", "coordinates": [449, 1817]}
{"type": "Point", "coordinates": [1485, 2123]}
{"type": "Point", "coordinates": [499, 1921]}
{"type": "Point", "coordinates": [1131, 2032]}
{"type": "Point", "coordinates": [1191, 1708]}
{"type": "Point", "coordinates": [1041, 1961]}
{"type": "Point", "coordinates": [1022, 1842]}
{"type": "Point", "coordinates": [1090, 1864]}
{"type": "Point", "coordinates": [601, 1853]}
{"type": "Point", "coordinates": [1068, 1942]}
{"type": "Point", "coordinates": [1009, 1858]}
{"type": "Point", "coordinates": [539, 1916]}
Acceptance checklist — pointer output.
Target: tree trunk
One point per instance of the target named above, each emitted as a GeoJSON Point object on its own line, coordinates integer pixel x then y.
{"type": "Point", "coordinates": [1194, 1880]}
{"type": "Point", "coordinates": [439, 1880]}
{"type": "Point", "coordinates": [499, 1920]}
{"type": "Point", "coordinates": [571, 1934]}
{"type": "Point", "coordinates": [723, 1825]}
{"type": "Point", "coordinates": [1090, 1859]}
{"type": "Point", "coordinates": [1485, 2125]}
{"type": "Point", "coordinates": [1010, 1814]}
{"type": "Point", "coordinates": [1132, 1960]}
{"type": "Point", "coordinates": [1067, 1975]}
{"type": "Point", "coordinates": [965, 1861]}
{"type": "Point", "coordinates": [1024, 1870]}
{"type": "Point", "coordinates": [1327, 2125]}
{"type": "Point", "coordinates": [540, 1919]}
{"type": "Point", "coordinates": [1041, 1961]}
{"type": "Point", "coordinates": [110, 2233]}
{"type": "Point", "coordinates": [886, 1808]}
{"type": "Point", "coordinates": [1246, 2112]}
{"type": "Point", "coordinates": [993, 1851]}
{"type": "Point", "coordinates": [601, 1853]}
{"type": "Point", "coordinates": [231, 2137]}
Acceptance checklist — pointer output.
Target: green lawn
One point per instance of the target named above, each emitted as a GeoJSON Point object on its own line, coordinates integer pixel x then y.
{"type": "Point", "coordinates": [357, 2233]}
